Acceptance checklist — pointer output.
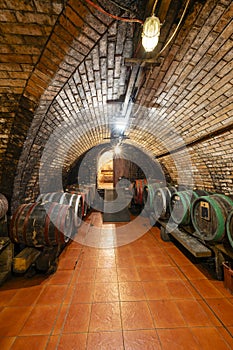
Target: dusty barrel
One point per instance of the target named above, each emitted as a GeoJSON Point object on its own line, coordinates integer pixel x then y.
{"type": "Point", "coordinates": [162, 198]}
{"type": "Point", "coordinates": [209, 216]}
{"type": "Point", "coordinates": [3, 205]}
{"type": "Point", "coordinates": [72, 199]}
{"type": "Point", "coordinates": [148, 195]}
{"type": "Point", "coordinates": [42, 224]}
{"type": "Point", "coordinates": [229, 227]}
{"type": "Point", "coordinates": [180, 205]}
{"type": "Point", "coordinates": [138, 191]}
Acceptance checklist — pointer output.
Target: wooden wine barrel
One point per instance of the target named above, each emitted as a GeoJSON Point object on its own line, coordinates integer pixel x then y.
{"type": "Point", "coordinates": [72, 199]}
{"type": "Point", "coordinates": [3, 205]}
{"type": "Point", "coordinates": [138, 191]}
{"type": "Point", "coordinates": [148, 195]}
{"type": "Point", "coordinates": [209, 215]}
{"type": "Point", "coordinates": [162, 198]}
{"type": "Point", "coordinates": [180, 205]}
{"type": "Point", "coordinates": [85, 194]}
{"type": "Point", "coordinates": [229, 227]}
{"type": "Point", "coordinates": [42, 224]}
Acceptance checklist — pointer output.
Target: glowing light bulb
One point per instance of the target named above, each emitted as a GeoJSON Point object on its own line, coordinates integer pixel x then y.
{"type": "Point", "coordinates": [150, 33]}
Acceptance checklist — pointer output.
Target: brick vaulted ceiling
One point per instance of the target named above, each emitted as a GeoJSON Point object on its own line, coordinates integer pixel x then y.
{"type": "Point", "coordinates": [69, 73]}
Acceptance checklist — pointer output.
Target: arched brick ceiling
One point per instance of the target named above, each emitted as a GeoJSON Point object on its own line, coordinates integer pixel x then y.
{"type": "Point", "coordinates": [65, 70]}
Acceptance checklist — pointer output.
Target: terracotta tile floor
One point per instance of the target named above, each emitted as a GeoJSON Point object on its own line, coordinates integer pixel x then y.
{"type": "Point", "coordinates": [143, 295]}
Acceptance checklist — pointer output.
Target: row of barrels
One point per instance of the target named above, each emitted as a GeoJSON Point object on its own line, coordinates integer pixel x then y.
{"type": "Point", "coordinates": [53, 219]}
{"type": "Point", "coordinates": [210, 214]}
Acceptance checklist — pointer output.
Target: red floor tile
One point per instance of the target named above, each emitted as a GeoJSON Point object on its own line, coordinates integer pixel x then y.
{"type": "Point", "coordinates": [52, 343]}
{"type": "Point", "coordinates": [177, 339]}
{"type": "Point", "coordinates": [106, 292]}
{"type": "Point", "coordinates": [26, 296]}
{"type": "Point", "coordinates": [78, 318]}
{"type": "Point", "coordinates": [107, 262]}
{"type": "Point", "coordinates": [83, 293]}
{"type": "Point", "coordinates": [12, 320]}
{"type": "Point", "coordinates": [105, 317]}
{"type": "Point", "coordinates": [67, 263]}
{"type": "Point", "coordinates": [192, 272]}
{"type": "Point", "coordinates": [6, 343]}
{"type": "Point", "coordinates": [136, 315]}
{"type": "Point", "coordinates": [209, 338]}
{"type": "Point", "coordinates": [86, 275]}
{"type": "Point", "coordinates": [105, 341]}
{"type": "Point", "coordinates": [142, 260]}
{"type": "Point", "coordinates": [6, 296]}
{"type": "Point", "coordinates": [141, 340]}
{"type": "Point", "coordinates": [33, 342]}
{"type": "Point", "coordinates": [60, 277]}
{"type": "Point", "coordinates": [52, 294]}
{"type": "Point", "coordinates": [72, 341]}
{"type": "Point", "coordinates": [223, 309]}
{"type": "Point", "coordinates": [60, 320]}
{"type": "Point", "coordinates": [161, 259]}
{"type": "Point", "coordinates": [40, 321]}
{"type": "Point", "coordinates": [180, 289]}
{"type": "Point", "coordinates": [106, 275]}
{"type": "Point", "coordinates": [166, 314]}
{"type": "Point", "coordinates": [193, 313]}
{"type": "Point", "coordinates": [148, 273]}
{"type": "Point", "coordinates": [126, 274]}
{"type": "Point", "coordinates": [131, 291]}
{"type": "Point", "coordinates": [156, 290]}
{"type": "Point", "coordinates": [206, 289]}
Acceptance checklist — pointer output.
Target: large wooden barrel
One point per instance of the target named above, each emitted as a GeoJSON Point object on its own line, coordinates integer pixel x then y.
{"type": "Point", "coordinates": [3, 205]}
{"type": "Point", "coordinates": [229, 227]}
{"type": "Point", "coordinates": [42, 224]}
{"type": "Point", "coordinates": [74, 200]}
{"type": "Point", "coordinates": [209, 216]}
{"type": "Point", "coordinates": [138, 191]}
{"type": "Point", "coordinates": [148, 195]}
{"type": "Point", "coordinates": [162, 198]}
{"type": "Point", "coordinates": [180, 205]}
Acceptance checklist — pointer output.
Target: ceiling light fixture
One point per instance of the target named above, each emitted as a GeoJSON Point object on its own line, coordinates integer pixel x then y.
{"type": "Point", "coordinates": [150, 33]}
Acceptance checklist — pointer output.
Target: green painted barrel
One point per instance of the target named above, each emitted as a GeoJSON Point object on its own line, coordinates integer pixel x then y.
{"type": "Point", "coordinates": [209, 215]}
{"type": "Point", "coordinates": [229, 227]}
{"type": "Point", "coordinates": [162, 198]}
{"type": "Point", "coordinates": [42, 224]}
{"type": "Point", "coordinates": [180, 205]}
{"type": "Point", "coordinates": [148, 195]}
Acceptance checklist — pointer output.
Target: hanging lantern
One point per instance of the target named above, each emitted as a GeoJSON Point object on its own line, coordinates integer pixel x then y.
{"type": "Point", "coordinates": [150, 33]}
